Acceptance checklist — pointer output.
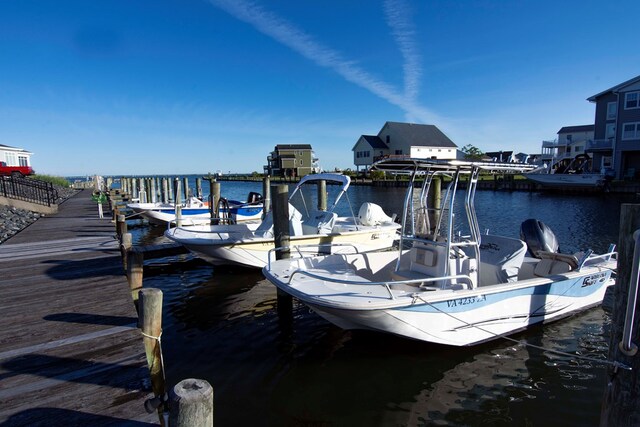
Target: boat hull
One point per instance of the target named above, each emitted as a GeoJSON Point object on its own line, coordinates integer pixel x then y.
{"type": "Point", "coordinates": [255, 252]}
{"type": "Point", "coordinates": [453, 317]}
{"type": "Point", "coordinates": [566, 180]}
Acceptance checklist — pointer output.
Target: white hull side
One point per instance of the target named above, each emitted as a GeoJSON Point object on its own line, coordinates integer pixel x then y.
{"type": "Point", "coordinates": [442, 329]}
{"type": "Point", "coordinates": [255, 252]}
{"type": "Point", "coordinates": [566, 180]}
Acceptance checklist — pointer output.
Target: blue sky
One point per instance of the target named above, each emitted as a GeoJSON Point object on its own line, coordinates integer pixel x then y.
{"type": "Point", "coordinates": [197, 86]}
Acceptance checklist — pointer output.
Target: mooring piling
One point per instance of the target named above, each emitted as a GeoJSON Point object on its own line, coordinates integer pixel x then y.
{"type": "Point", "coordinates": [191, 403]}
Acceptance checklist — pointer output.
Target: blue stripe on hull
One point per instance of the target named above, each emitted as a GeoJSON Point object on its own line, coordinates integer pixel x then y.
{"type": "Point", "coordinates": [573, 288]}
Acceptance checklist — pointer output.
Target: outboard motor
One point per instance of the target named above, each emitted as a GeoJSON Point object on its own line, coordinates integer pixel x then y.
{"type": "Point", "coordinates": [254, 198]}
{"type": "Point", "coordinates": [372, 214]}
{"type": "Point", "coordinates": [538, 237]}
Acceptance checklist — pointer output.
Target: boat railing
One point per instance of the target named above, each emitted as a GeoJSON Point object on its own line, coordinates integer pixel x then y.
{"type": "Point", "coordinates": [590, 259]}
{"type": "Point", "coordinates": [387, 284]}
{"type": "Point", "coordinates": [298, 249]}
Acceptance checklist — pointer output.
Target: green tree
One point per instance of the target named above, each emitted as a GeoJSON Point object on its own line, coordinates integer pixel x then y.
{"type": "Point", "coordinates": [472, 153]}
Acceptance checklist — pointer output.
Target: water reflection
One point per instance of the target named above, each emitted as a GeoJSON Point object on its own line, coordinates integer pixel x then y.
{"type": "Point", "coordinates": [221, 324]}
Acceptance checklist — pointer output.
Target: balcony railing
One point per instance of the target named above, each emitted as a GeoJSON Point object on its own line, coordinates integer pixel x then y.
{"type": "Point", "coordinates": [600, 145]}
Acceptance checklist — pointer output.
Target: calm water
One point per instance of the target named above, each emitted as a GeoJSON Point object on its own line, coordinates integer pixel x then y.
{"type": "Point", "coordinates": [221, 324]}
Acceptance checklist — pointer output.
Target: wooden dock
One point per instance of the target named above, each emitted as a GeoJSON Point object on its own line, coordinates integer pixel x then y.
{"type": "Point", "coordinates": [70, 351]}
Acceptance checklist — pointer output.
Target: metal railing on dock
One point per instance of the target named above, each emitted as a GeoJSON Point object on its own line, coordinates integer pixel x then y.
{"type": "Point", "coordinates": [28, 190]}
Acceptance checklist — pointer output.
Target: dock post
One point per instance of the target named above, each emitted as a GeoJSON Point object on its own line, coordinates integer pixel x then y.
{"type": "Point", "coordinates": [178, 203]}
{"type": "Point", "coordinates": [199, 188]}
{"type": "Point", "coordinates": [135, 273]}
{"type": "Point", "coordinates": [125, 245]}
{"type": "Point", "coordinates": [165, 190]}
{"type": "Point", "coordinates": [435, 199]}
{"type": "Point", "coordinates": [215, 200]}
{"type": "Point", "coordinates": [151, 321]}
{"type": "Point", "coordinates": [121, 226]}
{"type": "Point", "coordinates": [322, 195]}
{"type": "Point", "coordinates": [185, 182]}
{"type": "Point", "coordinates": [266, 195]}
{"type": "Point", "coordinates": [282, 240]}
{"type": "Point", "coordinates": [620, 406]}
{"type": "Point", "coordinates": [154, 193]}
{"type": "Point", "coordinates": [191, 403]}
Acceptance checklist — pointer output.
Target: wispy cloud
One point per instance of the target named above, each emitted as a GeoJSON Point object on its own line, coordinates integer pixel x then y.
{"type": "Point", "coordinates": [296, 39]}
{"type": "Point", "coordinates": [398, 18]}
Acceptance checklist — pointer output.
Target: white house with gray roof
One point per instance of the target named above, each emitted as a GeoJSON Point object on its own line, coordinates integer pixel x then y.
{"type": "Point", "coordinates": [415, 140]}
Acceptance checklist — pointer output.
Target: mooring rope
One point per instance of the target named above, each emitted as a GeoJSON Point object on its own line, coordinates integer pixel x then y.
{"type": "Point", "coordinates": [613, 363]}
{"type": "Point", "coordinates": [159, 340]}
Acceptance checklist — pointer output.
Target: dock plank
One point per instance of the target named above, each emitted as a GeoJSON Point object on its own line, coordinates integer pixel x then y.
{"type": "Point", "coordinates": [70, 351]}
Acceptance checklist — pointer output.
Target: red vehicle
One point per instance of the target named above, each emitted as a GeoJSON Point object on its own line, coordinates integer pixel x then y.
{"type": "Point", "coordinates": [17, 171]}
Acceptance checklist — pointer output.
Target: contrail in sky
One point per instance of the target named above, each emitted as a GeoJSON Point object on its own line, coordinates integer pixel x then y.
{"type": "Point", "coordinates": [289, 35]}
{"type": "Point", "coordinates": [398, 19]}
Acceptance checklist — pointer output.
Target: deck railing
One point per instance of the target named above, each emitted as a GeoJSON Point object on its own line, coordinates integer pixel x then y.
{"type": "Point", "coordinates": [29, 190]}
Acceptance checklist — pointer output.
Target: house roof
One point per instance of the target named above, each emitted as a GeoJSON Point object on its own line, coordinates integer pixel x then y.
{"type": "Point", "coordinates": [420, 134]}
{"type": "Point", "coordinates": [293, 147]}
{"type": "Point", "coordinates": [581, 128]}
{"type": "Point", "coordinates": [614, 89]}
{"type": "Point", "coordinates": [15, 149]}
{"type": "Point", "coordinates": [375, 141]}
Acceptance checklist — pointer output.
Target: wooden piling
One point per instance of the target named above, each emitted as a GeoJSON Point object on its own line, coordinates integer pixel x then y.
{"type": "Point", "coordinates": [435, 199]}
{"type": "Point", "coordinates": [135, 273]}
{"type": "Point", "coordinates": [185, 184]}
{"type": "Point", "coordinates": [215, 199]}
{"type": "Point", "coordinates": [266, 195]}
{"type": "Point", "coordinates": [322, 195]}
{"type": "Point", "coordinates": [125, 245]}
{"type": "Point", "coordinates": [152, 190]}
{"type": "Point", "coordinates": [151, 321]}
{"type": "Point", "coordinates": [282, 240]}
{"type": "Point", "coordinates": [621, 402]}
{"type": "Point", "coordinates": [121, 226]}
{"type": "Point", "coordinates": [199, 187]}
{"type": "Point", "coordinates": [191, 404]}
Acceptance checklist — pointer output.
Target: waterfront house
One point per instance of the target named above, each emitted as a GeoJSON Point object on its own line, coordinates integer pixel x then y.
{"type": "Point", "coordinates": [571, 141]}
{"type": "Point", "coordinates": [291, 160]}
{"type": "Point", "coordinates": [395, 138]}
{"type": "Point", "coordinates": [617, 128]}
{"type": "Point", "coordinates": [13, 156]}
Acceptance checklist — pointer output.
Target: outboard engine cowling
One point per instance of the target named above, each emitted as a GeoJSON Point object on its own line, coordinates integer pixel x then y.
{"type": "Point", "coordinates": [372, 214]}
{"type": "Point", "coordinates": [538, 237]}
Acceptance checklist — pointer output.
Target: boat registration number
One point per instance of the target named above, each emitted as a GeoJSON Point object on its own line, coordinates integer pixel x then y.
{"type": "Point", "coordinates": [466, 301]}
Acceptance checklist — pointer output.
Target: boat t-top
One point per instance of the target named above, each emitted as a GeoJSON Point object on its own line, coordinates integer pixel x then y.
{"type": "Point", "coordinates": [448, 283]}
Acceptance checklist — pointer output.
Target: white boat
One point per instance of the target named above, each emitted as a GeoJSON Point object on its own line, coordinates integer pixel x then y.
{"type": "Point", "coordinates": [444, 286]}
{"type": "Point", "coordinates": [195, 211]}
{"type": "Point", "coordinates": [575, 172]}
{"type": "Point", "coordinates": [310, 230]}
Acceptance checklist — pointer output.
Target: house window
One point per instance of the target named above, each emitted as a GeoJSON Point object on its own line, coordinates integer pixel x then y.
{"type": "Point", "coordinates": [610, 131]}
{"type": "Point", "coordinates": [22, 161]}
{"type": "Point", "coordinates": [631, 131]}
{"type": "Point", "coordinates": [612, 110]}
{"type": "Point", "coordinates": [631, 100]}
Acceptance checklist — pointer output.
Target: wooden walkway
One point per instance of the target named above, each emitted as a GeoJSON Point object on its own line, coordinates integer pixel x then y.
{"type": "Point", "coordinates": [70, 352]}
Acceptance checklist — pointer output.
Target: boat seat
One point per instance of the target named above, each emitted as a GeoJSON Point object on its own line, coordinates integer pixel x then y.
{"type": "Point", "coordinates": [265, 229]}
{"type": "Point", "coordinates": [319, 222]}
{"type": "Point", "coordinates": [549, 267]}
{"type": "Point", "coordinates": [500, 259]}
